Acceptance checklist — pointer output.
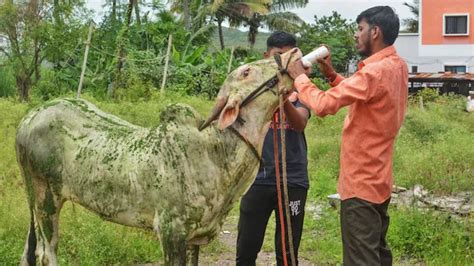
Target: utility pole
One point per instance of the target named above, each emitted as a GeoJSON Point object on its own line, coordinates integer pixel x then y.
{"type": "Point", "coordinates": [165, 71]}
{"type": "Point", "coordinates": [84, 62]}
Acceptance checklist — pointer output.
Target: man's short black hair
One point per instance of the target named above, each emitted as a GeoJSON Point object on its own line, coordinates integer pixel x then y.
{"type": "Point", "coordinates": [281, 39]}
{"type": "Point", "coordinates": [385, 18]}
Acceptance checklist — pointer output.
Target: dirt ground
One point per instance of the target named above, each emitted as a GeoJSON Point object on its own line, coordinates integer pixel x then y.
{"type": "Point", "coordinates": [226, 249]}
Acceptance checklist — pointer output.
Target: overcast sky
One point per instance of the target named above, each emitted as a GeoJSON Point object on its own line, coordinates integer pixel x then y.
{"type": "Point", "coordinates": [347, 8]}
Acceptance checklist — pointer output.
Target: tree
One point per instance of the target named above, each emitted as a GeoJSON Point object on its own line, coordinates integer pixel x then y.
{"type": "Point", "coordinates": [335, 32]}
{"type": "Point", "coordinates": [22, 24]}
{"type": "Point", "coordinates": [122, 41]}
{"type": "Point", "coordinates": [184, 7]}
{"type": "Point", "coordinates": [411, 24]}
{"type": "Point", "coordinates": [64, 27]}
{"type": "Point", "coordinates": [39, 31]}
{"type": "Point", "coordinates": [276, 19]}
{"type": "Point", "coordinates": [137, 11]}
{"type": "Point", "coordinates": [236, 11]}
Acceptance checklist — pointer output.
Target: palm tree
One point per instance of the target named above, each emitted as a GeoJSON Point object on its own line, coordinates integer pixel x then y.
{"type": "Point", "coordinates": [276, 19]}
{"type": "Point", "coordinates": [186, 8]}
{"type": "Point", "coordinates": [236, 10]}
{"type": "Point", "coordinates": [411, 24]}
{"type": "Point", "coordinates": [121, 43]}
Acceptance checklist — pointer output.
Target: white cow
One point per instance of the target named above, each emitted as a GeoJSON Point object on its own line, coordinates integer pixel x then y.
{"type": "Point", "coordinates": [175, 179]}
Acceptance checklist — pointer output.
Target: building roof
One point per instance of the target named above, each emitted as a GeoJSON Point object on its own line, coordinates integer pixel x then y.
{"type": "Point", "coordinates": [440, 77]}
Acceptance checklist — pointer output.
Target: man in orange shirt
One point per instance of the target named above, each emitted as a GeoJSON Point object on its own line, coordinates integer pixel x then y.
{"type": "Point", "coordinates": [377, 97]}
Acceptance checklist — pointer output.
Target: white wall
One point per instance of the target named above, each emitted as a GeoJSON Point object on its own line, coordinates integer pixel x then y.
{"type": "Point", "coordinates": [408, 48]}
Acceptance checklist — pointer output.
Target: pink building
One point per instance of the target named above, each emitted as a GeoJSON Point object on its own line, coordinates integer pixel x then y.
{"type": "Point", "coordinates": [445, 41]}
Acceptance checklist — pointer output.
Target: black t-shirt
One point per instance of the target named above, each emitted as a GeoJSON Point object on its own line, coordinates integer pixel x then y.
{"type": "Point", "coordinates": [296, 157]}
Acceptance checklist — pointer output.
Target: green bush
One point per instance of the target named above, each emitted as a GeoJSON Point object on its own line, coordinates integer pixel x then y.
{"type": "Point", "coordinates": [321, 83]}
{"type": "Point", "coordinates": [202, 77]}
{"type": "Point", "coordinates": [428, 95]}
{"type": "Point", "coordinates": [49, 86]}
{"type": "Point", "coordinates": [132, 88]}
{"type": "Point", "coordinates": [7, 82]}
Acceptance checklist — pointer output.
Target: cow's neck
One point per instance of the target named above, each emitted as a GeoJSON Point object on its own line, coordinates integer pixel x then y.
{"type": "Point", "coordinates": [255, 127]}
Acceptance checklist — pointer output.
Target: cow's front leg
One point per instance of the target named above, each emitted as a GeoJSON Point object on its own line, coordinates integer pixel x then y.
{"type": "Point", "coordinates": [192, 255]}
{"type": "Point", "coordinates": [175, 252]}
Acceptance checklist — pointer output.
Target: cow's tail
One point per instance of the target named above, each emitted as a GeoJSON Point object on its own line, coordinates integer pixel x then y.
{"type": "Point", "coordinates": [31, 248]}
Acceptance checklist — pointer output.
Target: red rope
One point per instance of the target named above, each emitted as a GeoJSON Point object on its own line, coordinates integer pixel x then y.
{"type": "Point", "coordinates": [280, 203]}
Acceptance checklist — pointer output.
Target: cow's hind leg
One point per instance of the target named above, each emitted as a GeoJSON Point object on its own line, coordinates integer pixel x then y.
{"type": "Point", "coordinates": [46, 205]}
{"type": "Point", "coordinates": [47, 217]}
{"type": "Point", "coordinates": [29, 257]}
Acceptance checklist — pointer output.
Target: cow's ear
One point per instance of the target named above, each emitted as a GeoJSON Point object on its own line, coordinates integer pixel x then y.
{"type": "Point", "coordinates": [229, 115]}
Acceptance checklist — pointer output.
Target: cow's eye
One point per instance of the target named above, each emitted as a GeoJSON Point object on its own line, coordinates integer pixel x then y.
{"type": "Point", "coordinates": [246, 72]}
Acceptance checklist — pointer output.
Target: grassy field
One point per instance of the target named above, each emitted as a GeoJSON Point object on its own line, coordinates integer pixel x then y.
{"type": "Point", "coordinates": [435, 149]}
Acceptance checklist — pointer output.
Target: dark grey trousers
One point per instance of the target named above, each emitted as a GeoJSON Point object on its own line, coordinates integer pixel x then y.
{"type": "Point", "coordinates": [364, 227]}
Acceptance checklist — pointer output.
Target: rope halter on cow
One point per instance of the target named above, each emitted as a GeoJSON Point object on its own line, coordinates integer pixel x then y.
{"type": "Point", "coordinates": [269, 83]}
{"type": "Point", "coordinates": [264, 87]}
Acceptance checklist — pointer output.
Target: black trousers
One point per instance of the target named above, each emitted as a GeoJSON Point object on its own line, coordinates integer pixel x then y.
{"type": "Point", "coordinates": [364, 227]}
{"type": "Point", "coordinates": [256, 207]}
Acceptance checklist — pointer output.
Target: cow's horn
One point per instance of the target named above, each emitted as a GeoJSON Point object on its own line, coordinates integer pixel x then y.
{"type": "Point", "coordinates": [220, 103]}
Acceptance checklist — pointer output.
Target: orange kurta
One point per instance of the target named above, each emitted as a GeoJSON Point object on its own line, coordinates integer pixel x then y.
{"type": "Point", "coordinates": [377, 98]}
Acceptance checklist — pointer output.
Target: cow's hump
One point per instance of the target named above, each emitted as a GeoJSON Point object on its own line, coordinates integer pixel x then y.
{"type": "Point", "coordinates": [180, 114]}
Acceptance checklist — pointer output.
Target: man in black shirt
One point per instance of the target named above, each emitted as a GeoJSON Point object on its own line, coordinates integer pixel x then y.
{"type": "Point", "coordinates": [260, 201]}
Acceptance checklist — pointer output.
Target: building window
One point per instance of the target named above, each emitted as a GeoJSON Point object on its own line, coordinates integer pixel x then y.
{"type": "Point", "coordinates": [414, 69]}
{"type": "Point", "coordinates": [455, 69]}
{"type": "Point", "coordinates": [456, 24]}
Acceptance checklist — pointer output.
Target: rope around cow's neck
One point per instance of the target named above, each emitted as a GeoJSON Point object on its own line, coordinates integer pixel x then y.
{"type": "Point", "coordinates": [267, 85]}
{"type": "Point", "coordinates": [278, 187]}
{"type": "Point", "coordinates": [285, 186]}
{"type": "Point", "coordinates": [285, 180]}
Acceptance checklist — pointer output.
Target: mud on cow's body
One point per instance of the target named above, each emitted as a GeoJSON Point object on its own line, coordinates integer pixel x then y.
{"type": "Point", "coordinates": [174, 179]}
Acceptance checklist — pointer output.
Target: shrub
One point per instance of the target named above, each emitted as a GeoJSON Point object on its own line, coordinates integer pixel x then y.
{"type": "Point", "coordinates": [428, 95]}
{"type": "Point", "coordinates": [7, 82]}
{"type": "Point", "coordinates": [132, 88]}
{"type": "Point", "coordinates": [49, 86]}
{"type": "Point", "coordinates": [321, 83]}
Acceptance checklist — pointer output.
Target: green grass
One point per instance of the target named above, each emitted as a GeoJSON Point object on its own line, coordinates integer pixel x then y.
{"type": "Point", "coordinates": [7, 81]}
{"type": "Point", "coordinates": [435, 149]}
{"type": "Point", "coordinates": [442, 136]}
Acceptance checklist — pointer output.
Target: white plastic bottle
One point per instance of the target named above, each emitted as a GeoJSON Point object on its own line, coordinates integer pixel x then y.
{"type": "Point", "coordinates": [312, 57]}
